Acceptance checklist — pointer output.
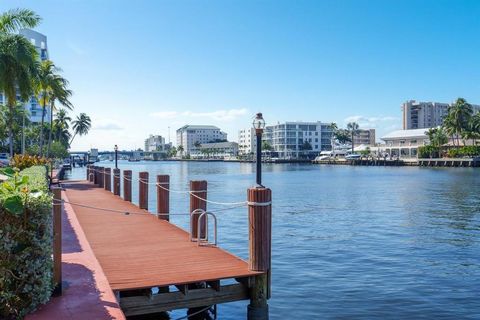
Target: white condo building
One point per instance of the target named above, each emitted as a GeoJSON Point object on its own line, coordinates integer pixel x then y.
{"type": "Point", "coordinates": [299, 139]}
{"type": "Point", "coordinates": [247, 141]}
{"type": "Point", "coordinates": [190, 135]}
{"type": "Point", "coordinates": [32, 106]}
{"type": "Point", "coordinates": [419, 115]}
{"type": "Point", "coordinates": [154, 143]}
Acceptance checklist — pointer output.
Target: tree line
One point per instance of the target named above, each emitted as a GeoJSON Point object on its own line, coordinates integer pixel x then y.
{"type": "Point", "coordinates": [25, 76]}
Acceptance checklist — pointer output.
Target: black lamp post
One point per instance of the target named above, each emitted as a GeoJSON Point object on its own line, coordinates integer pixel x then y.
{"type": "Point", "coordinates": [259, 125]}
{"type": "Point", "coordinates": [116, 156]}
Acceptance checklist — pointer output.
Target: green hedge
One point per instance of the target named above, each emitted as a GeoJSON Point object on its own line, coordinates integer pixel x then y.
{"type": "Point", "coordinates": [428, 152]}
{"type": "Point", "coordinates": [26, 243]}
{"type": "Point", "coordinates": [466, 151]}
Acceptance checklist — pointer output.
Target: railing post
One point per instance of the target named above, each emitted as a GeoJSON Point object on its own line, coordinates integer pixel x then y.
{"type": "Point", "coordinates": [260, 238]}
{"type": "Point", "coordinates": [163, 197]}
{"type": "Point", "coordinates": [108, 179]}
{"type": "Point", "coordinates": [101, 176]}
{"type": "Point", "coordinates": [116, 182]}
{"type": "Point", "coordinates": [127, 185]}
{"type": "Point", "coordinates": [143, 190]}
{"type": "Point", "coordinates": [57, 240]}
{"type": "Point", "coordinates": [95, 175]}
{"type": "Point", "coordinates": [199, 189]}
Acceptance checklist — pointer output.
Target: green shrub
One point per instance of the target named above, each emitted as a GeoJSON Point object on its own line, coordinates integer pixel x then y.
{"type": "Point", "coordinates": [428, 151]}
{"type": "Point", "coordinates": [22, 161]}
{"type": "Point", "coordinates": [26, 242]}
{"type": "Point", "coordinates": [466, 151]}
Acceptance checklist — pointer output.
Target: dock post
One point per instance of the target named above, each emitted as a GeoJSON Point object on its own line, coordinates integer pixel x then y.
{"type": "Point", "coordinates": [127, 185]}
{"type": "Point", "coordinates": [57, 240]}
{"type": "Point", "coordinates": [95, 174]}
{"type": "Point", "coordinates": [108, 179]}
{"type": "Point", "coordinates": [163, 196]}
{"type": "Point", "coordinates": [116, 182]}
{"type": "Point", "coordinates": [260, 237]}
{"type": "Point", "coordinates": [143, 190]}
{"type": "Point", "coordinates": [198, 188]}
{"type": "Point", "coordinates": [88, 172]}
{"type": "Point", "coordinates": [101, 176]}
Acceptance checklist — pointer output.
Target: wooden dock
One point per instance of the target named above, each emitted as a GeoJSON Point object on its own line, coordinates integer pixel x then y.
{"type": "Point", "coordinates": [139, 251]}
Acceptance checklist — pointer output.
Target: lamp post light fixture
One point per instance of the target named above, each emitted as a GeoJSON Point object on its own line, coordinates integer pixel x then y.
{"type": "Point", "coordinates": [116, 156]}
{"type": "Point", "coordinates": [259, 125]}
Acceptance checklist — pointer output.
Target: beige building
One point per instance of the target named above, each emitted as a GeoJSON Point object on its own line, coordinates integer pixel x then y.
{"type": "Point", "coordinates": [365, 136]}
{"type": "Point", "coordinates": [419, 115]}
{"type": "Point", "coordinates": [404, 143]}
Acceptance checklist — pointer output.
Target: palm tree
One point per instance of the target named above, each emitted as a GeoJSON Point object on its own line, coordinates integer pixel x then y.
{"type": "Point", "coordinates": [81, 125]}
{"type": "Point", "coordinates": [180, 149]}
{"type": "Point", "coordinates": [475, 127]}
{"type": "Point", "coordinates": [352, 128]}
{"type": "Point", "coordinates": [44, 90]}
{"type": "Point", "coordinates": [197, 144]}
{"type": "Point", "coordinates": [457, 119]}
{"type": "Point", "coordinates": [333, 126]}
{"type": "Point", "coordinates": [18, 60]}
{"type": "Point", "coordinates": [61, 94]}
{"type": "Point", "coordinates": [61, 122]}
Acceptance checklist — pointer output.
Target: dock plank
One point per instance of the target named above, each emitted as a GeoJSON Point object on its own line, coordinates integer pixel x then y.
{"type": "Point", "coordinates": [141, 251]}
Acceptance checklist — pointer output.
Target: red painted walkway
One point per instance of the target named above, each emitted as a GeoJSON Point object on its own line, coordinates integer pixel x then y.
{"type": "Point", "coordinates": [86, 294]}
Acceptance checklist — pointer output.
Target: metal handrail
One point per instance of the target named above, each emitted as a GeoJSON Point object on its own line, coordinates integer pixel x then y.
{"type": "Point", "coordinates": [204, 241]}
{"type": "Point", "coordinates": [192, 215]}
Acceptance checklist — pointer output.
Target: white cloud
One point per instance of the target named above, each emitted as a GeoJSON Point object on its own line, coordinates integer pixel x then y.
{"type": "Point", "coordinates": [371, 122]}
{"type": "Point", "coordinates": [218, 115]}
{"type": "Point", "coordinates": [107, 125]}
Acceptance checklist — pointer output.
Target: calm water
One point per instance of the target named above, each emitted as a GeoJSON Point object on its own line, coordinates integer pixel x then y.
{"type": "Point", "coordinates": [350, 242]}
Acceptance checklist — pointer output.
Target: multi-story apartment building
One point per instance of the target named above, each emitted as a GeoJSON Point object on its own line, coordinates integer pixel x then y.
{"type": "Point", "coordinates": [364, 136]}
{"type": "Point", "coordinates": [32, 106]}
{"type": "Point", "coordinates": [155, 143]}
{"type": "Point", "coordinates": [247, 141]}
{"type": "Point", "coordinates": [419, 115]}
{"type": "Point", "coordinates": [190, 135]}
{"type": "Point", "coordinates": [299, 139]}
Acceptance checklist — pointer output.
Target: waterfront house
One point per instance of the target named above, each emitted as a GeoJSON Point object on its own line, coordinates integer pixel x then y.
{"type": "Point", "coordinates": [216, 150]}
{"type": "Point", "coordinates": [404, 143]}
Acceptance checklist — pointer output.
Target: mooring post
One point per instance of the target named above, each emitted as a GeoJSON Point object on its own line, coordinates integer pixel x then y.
{"type": "Point", "coordinates": [108, 179]}
{"type": "Point", "coordinates": [260, 238]}
{"type": "Point", "coordinates": [198, 192]}
{"type": "Point", "coordinates": [88, 172]}
{"type": "Point", "coordinates": [143, 190]}
{"type": "Point", "coordinates": [57, 240]}
{"type": "Point", "coordinates": [116, 182]}
{"type": "Point", "coordinates": [101, 182]}
{"type": "Point", "coordinates": [163, 196]}
{"type": "Point", "coordinates": [95, 174]}
{"type": "Point", "coordinates": [127, 185]}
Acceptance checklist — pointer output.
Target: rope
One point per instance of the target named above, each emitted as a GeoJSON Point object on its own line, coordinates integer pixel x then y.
{"type": "Point", "coordinates": [193, 314]}
{"type": "Point", "coordinates": [118, 211]}
{"type": "Point", "coordinates": [191, 192]}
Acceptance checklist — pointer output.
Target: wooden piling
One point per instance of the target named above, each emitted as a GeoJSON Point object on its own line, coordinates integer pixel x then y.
{"type": "Point", "coordinates": [260, 240]}
{"type": "Point", "coordinates": [95, 174]}
{"type": "Point", "coordinates": [163, 197]}
{"type": "Point", "coordinates": [116, 182]}
{"type": "Point", "coordinates": [108, 179]}
{"type": "Point", "coordinates": [101, 176]}
{"type": "Point", "coordinates": [143, 190]}
{"type": "Point", "coordinates": [57, 240]}
{"type": "Point", "coordinates": [88, 172]}
{"type": "Point", "coordinates": [127, 185]}
{"type": "Point", "coordinates": [197, 188]}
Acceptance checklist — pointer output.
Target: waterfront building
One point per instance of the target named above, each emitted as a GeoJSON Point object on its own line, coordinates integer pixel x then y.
{"type": "Point", "coordinates": [215, 150]}
{"type": "Point", "coordinates": [190, 136]}
{"type": "Point", "coordinates": [404, 143]}
{"type": "Point", "coordinates": [247, 141]}
{"type": "Point", "coordinates": [155, 143]}
{"type": "Point", "coordinates": [419, 115]}
{"type": "Point", "coordinates": [365, 137]}
{"type": "Point", "coordinates": [294, 140]}
{"type": "Point", "coordinates": [32, 105]}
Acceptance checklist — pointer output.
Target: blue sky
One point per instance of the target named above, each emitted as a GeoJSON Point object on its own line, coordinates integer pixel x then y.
{"type": "Point", "coordinates": [139, 67]}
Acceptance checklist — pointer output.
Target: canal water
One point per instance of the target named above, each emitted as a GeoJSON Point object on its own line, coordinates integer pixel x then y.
{"type": "Point", "coordinates": [348, 242]}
